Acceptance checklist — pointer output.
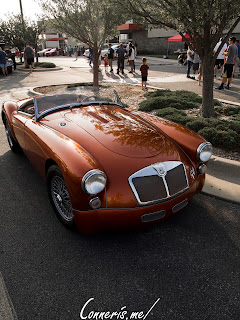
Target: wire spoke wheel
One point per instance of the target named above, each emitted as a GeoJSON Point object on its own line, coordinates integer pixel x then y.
{"type": "Point", "coordinates": [61, 198]}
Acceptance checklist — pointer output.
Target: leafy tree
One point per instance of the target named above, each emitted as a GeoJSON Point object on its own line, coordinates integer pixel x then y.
{"type": "Point", "coordinates": [89, 21]}
{"type": "Point", "coordinates": [12, 31]}
{"type": "Point", "coordinates": [16, 33]}
{"type": "Point", "coordinates": [204, 20]}
{"type": "Point", "coordinates": [32, 32]}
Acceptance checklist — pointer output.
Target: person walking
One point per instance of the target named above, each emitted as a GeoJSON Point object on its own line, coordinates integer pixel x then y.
{"type": "Point", "coordinates": [131, 57]}
{"type": "Point", "coordinates": [121, 53]}
{"type": "Point", "coordinates": [75, 50]}
{"type": "Point", "coordinates": [230, 54]}
{"type": "Point", "coordinates": [144, 73]}
{"type": "Point", "coordinates": [237, 65]}
{"type": "Point", "coordinates": [220, 58]}
{"type": "Point", "coordinates": [90, 57]}
{"type": "Point", "coordinates": [190, 55]}
{"type": "Point", "coordinates": [3, 62]}
{"type": "Point", "coordinates": [196, 62]}
{"type": "Point", "coordinates": [29, 56]}
{"type": "Point", "coordinates": [110, 56]}
{"type": "Point", "coordinates": [70, 50]}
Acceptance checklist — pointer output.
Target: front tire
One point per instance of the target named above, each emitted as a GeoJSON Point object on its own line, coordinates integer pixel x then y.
{"type": "Point", "coordinates": [59, 196]}
{"type": "Point", "coordinates": [13, 144]}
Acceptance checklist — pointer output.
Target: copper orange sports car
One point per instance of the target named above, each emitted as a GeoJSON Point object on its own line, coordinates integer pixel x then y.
{"type": "Point", "coordinates": [106, 166]}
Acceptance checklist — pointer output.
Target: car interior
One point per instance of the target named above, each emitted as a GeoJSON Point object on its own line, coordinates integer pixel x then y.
{"type": "Point", "coordinates": [28, 107]}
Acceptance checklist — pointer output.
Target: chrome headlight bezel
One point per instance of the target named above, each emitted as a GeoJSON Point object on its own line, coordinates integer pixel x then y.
{"type": "Point", "coordinates": [94, 182]}
{"type": "Point", "coordinates": [204, 152]}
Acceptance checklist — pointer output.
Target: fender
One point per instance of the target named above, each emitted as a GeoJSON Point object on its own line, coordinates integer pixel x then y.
{"type": "Point", "coordinates": [46, 146]}
{"type": "Point", "coordinates": [187, 139]}
{"type": "Point", "coordinates": [7, 110]}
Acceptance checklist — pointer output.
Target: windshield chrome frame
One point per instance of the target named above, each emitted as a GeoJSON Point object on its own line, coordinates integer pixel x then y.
{"type": "Point", "coordinates": [39, 116]}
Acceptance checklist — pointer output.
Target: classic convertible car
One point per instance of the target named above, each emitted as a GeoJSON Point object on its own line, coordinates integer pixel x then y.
{"type": "Point", "coordinates": [107, 166]}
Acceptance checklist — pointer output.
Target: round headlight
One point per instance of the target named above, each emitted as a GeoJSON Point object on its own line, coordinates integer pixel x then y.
{"type": "Point", "coordinates": [204, 151]}
{"type": "Point", "coordinates": [94, 181]}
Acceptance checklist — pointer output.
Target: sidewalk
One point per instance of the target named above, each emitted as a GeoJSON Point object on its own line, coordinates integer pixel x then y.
{"type": "Point", "coordinates": [223, 179]}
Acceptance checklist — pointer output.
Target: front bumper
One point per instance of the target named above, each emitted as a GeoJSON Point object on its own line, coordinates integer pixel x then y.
{"type": "Point", "coordinates": [127, 218]}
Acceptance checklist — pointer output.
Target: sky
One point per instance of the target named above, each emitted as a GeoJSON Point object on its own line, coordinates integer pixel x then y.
{"type": "Point", "coordinates": [30, 8]}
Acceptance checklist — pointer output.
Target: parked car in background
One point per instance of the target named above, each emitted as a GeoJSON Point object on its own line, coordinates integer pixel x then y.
{"type": "Point", "coordinates": [51, 52]}
{"type": "Point", "coordinates": [107, 167]}
{"type": "Point", "coordinates": [105, 50]}
{"type": "Point", "coordinates": [42, 52]}
{"type": "Point", "coordinates": [9, 63]}
{"type": "Point", "coordinates": [86, 53]}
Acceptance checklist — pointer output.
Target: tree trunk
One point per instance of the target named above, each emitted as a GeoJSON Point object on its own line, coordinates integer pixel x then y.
{"type": "Point", "coordinates": [95, 67]}
{"type": "Point", "coordinates": [207, 91]}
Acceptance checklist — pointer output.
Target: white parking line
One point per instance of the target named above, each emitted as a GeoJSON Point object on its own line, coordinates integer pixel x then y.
{"type": "Point", "coordinates": [7, 311]}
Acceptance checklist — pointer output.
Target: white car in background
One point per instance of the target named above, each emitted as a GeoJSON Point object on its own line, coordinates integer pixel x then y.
{"type": "Point", "coordinates": [105, 48]}
{"type": "Point", "coordinates": [86, 53]}
{"type": "Point", "coordinates": [42, 52]}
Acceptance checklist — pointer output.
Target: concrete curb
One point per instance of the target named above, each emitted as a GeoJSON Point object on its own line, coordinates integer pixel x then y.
{"type": "Point", "coordinates": [223, 179]}
{"type": "Point", "coordinates": [40, 70]}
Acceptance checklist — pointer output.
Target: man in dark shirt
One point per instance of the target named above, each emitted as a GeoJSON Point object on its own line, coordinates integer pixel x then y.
{"type": "Point", "coordinates": [121, 53]}
{"type": "Point", "coordinates": [110, 56]}
{"type": "Point", "coordinates": [3, 62]}
{"type": "Point", "coordinates": [231, 53]}
{"type": "Point", "coordinates": [29, 55]}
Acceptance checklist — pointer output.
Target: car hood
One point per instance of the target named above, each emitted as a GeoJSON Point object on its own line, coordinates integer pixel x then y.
{"type": "Point", "coordinates": [117, 129]}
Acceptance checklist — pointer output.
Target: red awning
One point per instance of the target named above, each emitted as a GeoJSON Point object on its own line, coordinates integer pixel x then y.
{"type": "Point", "coordinates": [178, 37]}
{"type": "Point", "coordinates": [129, 26]}
{"type": "Point", "coordinates": [56, 39]}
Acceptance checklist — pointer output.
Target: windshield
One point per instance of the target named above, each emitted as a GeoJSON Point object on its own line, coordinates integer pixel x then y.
{"type": "Point", "coordinates": [76, 97]}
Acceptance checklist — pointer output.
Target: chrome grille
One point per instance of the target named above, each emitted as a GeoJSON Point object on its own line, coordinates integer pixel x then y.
{"type": "Point", "coordinates": [146, 190]}
{"type": "Point", "coordinates": [159, 181]}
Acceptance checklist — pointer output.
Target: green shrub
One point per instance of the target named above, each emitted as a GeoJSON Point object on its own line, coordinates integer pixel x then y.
{"type": "Point", "coordinates": [170, 111]}
{"type": "Point", "coordinates": [80, 84]}
{"type": "Point", "coordinates": [46, 65]}
{"type": "Point", "coordinates": [174, 115]}
{"type": "Point", "coordinates": [180, 99]}
{"type": "Point", "coordinates": [161, 102]}
{"type": "Point", "coordinates": [227, 139]}
{"type": "Point", "coordinates": [236, 117]}
{"type": "Point", "coordinates": [217, 103]}
{"type": "Point", "coordinates": [228, 110]}
{"type": "Point", "coordinates": [197, 124]}
{"type": "Point", "coordinates": [189, 96]}
{"type": "Point", "coordinates": [235, 125]}
{"type": "Point", "coordinates": [157, 93]}
{"type": "Point", "coordinates": [179, 94]}
{"type": "Point", "coordinates": [42, 65]}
